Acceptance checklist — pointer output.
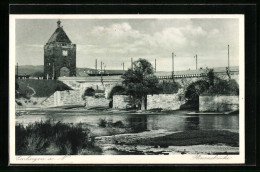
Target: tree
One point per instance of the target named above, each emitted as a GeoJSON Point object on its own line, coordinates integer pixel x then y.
{"type": "Point", "coordinates": [140, 81]}
{"type": "Point", "coordinates": [224, 87]}
{"type": "Point", "coordinates": [211, 77]}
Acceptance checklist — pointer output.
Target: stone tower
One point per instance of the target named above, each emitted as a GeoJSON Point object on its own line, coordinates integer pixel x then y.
{"type": "Point", "coordinates": [59, 55]}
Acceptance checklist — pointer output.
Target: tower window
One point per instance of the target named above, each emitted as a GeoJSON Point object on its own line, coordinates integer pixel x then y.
{"type": "Point", "coordinates": [64, 52]}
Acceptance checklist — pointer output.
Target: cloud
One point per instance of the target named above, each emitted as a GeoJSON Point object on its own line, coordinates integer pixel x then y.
{"type": "Point", "coordinates": [117, 41]}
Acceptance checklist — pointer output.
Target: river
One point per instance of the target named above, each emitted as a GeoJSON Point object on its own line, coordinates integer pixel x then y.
{"type": "Point", "coordinates": [133, 122]}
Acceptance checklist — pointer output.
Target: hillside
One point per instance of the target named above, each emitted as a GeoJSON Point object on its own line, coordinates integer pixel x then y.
{"type": "Point", "coordinates": [39, 88]}
{"type": "Point", "coordinates": [30, 70]}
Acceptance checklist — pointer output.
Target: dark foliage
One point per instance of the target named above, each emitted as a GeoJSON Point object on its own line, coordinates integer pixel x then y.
{"type": "Point", "coordinates": [47, 138]}
{"type": "Point", "coordinates": [211, 77]}
{"type": "Point", "coordinates": [229, 87]}
{"type": "Point", "coordinates": [104, 123]}
{"type": "Point", "coordinates": [43, 88]}
{"type": "Point", "coordinates": [195, 89]}
{"type": "Point", "coordinates": [168, 87]}
{"type": "Point", "coordinates": [140, 81]}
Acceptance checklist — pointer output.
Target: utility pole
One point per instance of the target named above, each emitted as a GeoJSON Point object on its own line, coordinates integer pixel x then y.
{"type": "Point", "coordinates": [155, 65]}
{"type": "Point", "coordinates": [104, 67]}
{"type": "Point", "coordinates": [173, 65]}
{"type": "Point", "coordinates": [101, 73]}
{"type": "Point", "coordinates": [228, 57]}
{"type": "Point", "coordinates": [196, 56]}
{"type": "Point", "coordinates": [96, 67]}
{"type": "Point", "coordinates": [123, 66]}
{"type": "Point", "coordinates": [131, 63]}
{"type": "Point", "coordinates": [101, 67]}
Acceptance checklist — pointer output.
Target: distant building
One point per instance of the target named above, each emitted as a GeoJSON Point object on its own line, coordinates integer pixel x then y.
{"type": "Point", "coordinates": [59, 55]}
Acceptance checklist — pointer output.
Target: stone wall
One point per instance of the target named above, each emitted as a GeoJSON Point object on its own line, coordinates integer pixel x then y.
{"type": "Point", "coordinates": [69, 97]}
{"type": "Point", "coordinates": [93, 102]}
{"type": "Point", "coordinates": [218, 103]}
{"type": "Point", "coordinates": [164, 101]}
{"type": "Point", "coordinates": [48, 102]}
{"type": "Point", "coordinates": [120, 101]}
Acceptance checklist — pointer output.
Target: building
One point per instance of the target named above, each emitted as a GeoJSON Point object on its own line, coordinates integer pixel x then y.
{"type": "Point", "coordinates": [59, 55]}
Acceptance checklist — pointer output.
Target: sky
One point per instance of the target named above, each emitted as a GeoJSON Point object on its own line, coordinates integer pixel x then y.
{"type": "Point", "coordinates": [116, 41]}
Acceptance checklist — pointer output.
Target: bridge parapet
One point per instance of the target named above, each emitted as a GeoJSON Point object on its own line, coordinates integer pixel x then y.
{"type": "Point", "coordinates": [183, 76]}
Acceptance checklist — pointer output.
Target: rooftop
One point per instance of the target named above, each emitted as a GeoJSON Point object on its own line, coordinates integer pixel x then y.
{"type": "Point", "coordinates": [59, 35]}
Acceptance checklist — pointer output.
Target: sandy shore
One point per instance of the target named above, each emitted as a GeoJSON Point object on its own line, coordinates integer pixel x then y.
{"type": "Point", "coordinates": [170, 143]}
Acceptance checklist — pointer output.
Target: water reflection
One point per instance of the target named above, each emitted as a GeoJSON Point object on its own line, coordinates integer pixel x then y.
{"type": "Point", "coordinates": [192, 123]}
{"type": "Point", "coordinates": [178, 121]}
{"type": "Point", "coordinates": [137, 123]}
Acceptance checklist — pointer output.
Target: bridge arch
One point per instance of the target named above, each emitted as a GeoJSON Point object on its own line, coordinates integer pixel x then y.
{"type": "Point", "coordinates": [117, 89]}
{"type": "Point", "coordinates": [64, 72]}
{"type": "Point", "coordinates": [89, 91]}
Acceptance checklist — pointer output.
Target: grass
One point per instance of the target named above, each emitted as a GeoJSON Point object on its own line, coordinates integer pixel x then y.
{"type": "Point", "coordinates": [43, 88]}
{"type": "Point", "coordinates": [197, 137]}
{"type": "Point", "coordinates": [45, 138]}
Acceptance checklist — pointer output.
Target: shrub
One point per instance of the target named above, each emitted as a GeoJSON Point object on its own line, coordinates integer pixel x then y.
{"type": "Point", "coordinates": [229, 87]}
{"type": "Point", "coordinates": [57, 139]}
{"type": "Point", "coordinates": [168, 87]}
{"type": "Point", "coordinates": [102, 123]}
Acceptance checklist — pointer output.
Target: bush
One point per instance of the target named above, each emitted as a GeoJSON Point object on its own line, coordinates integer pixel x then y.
{"type": "Point", "coordinates": [168, 87]}
{"type": "Point", "coordinates": [56, 139]}
{"type": "Point", "coordinates": [103, 123]}
{"type": "Point", "coordinates": [229, 87]}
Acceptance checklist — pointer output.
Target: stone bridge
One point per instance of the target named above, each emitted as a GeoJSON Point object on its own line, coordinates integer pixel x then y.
{"type": "Point", "coordinates": [107, 83]}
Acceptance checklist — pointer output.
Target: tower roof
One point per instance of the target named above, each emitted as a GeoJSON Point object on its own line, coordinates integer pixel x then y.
{"type": "Point", "coordinates": [59, 35]}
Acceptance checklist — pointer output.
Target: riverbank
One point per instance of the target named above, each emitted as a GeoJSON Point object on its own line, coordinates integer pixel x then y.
{"type": "Point", "coordinates": [161, 142]}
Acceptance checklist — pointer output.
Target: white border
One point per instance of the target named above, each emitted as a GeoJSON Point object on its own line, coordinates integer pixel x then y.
{"type": "Point", "coordinates": [125, 159]}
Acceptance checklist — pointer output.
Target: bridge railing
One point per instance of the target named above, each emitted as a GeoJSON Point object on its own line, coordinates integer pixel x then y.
{"type": "Point", "coordinates": [183, 76]}
{"type": "Point", "coordinates": [193, 75]}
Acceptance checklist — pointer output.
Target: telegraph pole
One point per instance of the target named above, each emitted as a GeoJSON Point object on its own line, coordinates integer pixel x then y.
{"type": "Point", "coordinates": [104, 67]}
{"type": "Point", "coordinates": [173, 65]}
{"type": "Point", "coordinates": [96, 67]}
{"type": "Point", "coordinates": [155, 65]}
{"type": "Point", "coordinates": [132, 63]}
{"type": "Point", "coordinates": [196, 56]}
{"type": "Point", "coordinates": [123, 66]}
{"type": "Point", "coordinates": [228, 57]}
{"type": "Point", "coordinates": [101, 67]}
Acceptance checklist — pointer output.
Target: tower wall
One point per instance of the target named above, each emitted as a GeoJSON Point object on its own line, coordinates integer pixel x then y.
{"type": "Point", "coordinates": [54, 59]}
